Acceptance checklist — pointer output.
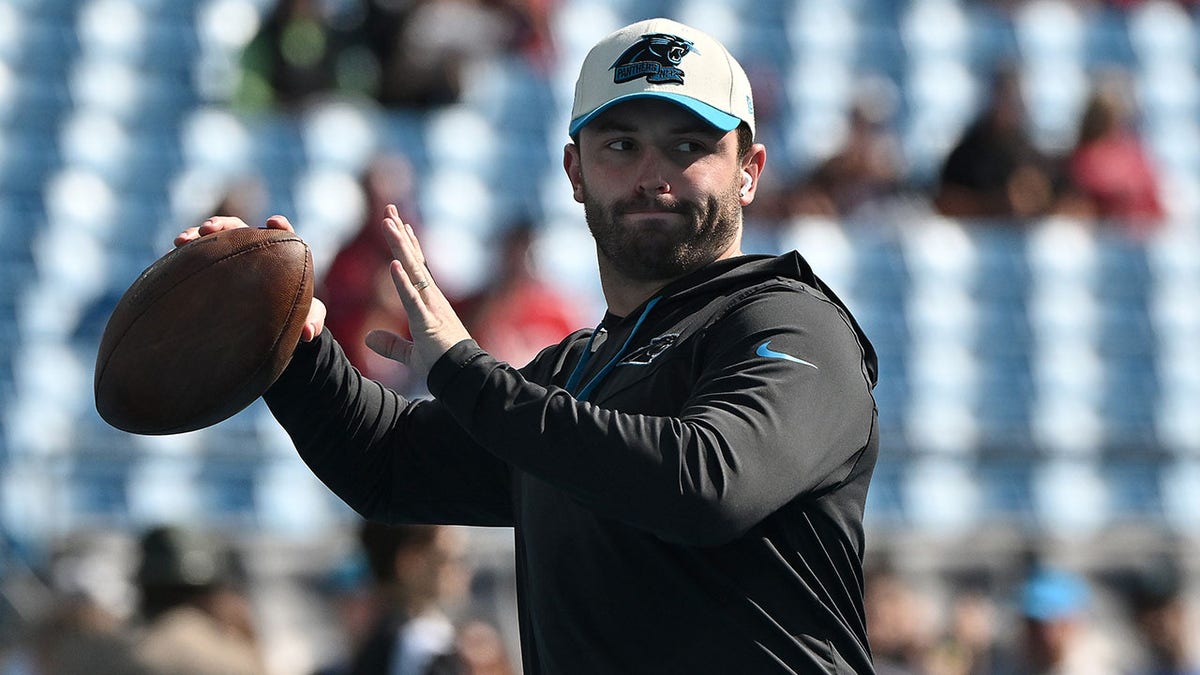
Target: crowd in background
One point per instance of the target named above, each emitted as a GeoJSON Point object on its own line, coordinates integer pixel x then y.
{"type": "Point", "coordinates": [182, 600]}
{"type": "Point", "coordinates": [995, 173]}
{"type": "Point", "coordinates": [415, 55]}
{"type": "Point", "coordinates": [400, 53]}
{"type": "Point", "coordinates": [407, 599]}
{"type": "Point", "coordinates": [406, 590]}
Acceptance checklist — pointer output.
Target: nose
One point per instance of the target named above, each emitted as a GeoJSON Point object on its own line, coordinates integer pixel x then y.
{"type": "Point", "coordinates": [651, 174]}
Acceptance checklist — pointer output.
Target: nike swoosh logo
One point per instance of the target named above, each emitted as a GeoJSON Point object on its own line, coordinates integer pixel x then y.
{"type": "Point", "coordinates": [765, 351]}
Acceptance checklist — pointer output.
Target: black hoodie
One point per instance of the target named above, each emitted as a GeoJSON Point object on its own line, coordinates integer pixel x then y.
{"type": "Point", "coordinates": [700, 512]}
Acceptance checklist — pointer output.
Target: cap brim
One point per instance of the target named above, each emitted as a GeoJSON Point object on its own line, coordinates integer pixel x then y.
{"type": "Point", "coordinates": [715, 118]}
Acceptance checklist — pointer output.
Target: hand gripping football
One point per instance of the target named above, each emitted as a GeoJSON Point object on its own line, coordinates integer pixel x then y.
{"type": "Point", "coordinates": [204, 331]}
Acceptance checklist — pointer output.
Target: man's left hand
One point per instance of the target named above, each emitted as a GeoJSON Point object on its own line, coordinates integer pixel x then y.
{"type": "Point", "coordinates": [434, 325]}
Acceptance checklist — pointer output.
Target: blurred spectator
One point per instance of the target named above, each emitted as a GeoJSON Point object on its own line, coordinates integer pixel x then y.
{"type": "Point", "coordinates": [197, 620]}
{"type": "Point", "coordinates": [418, 575]}
{"type": "Point", "coordinates": [899, 622]}
{"type": "Point", "coordinates": [350, 593]}
{"type": "Point", "coordinates": [534, 34]}
{"type": "Point", "coordinates": [969, 646]}
{"type": "Point", "coordinates": [1056, 637]}
{"type": "Point", "coordinates": [357, 287]}
{"type": "Point", "coordinates": [482, 650]}
{"type": "Point", "coordinates": [75, 623]}
{"type": "Point", "coordinates": [434, 42]}
{"type": "Point", "coordinates": [293, 58]}
{"type": "Point", "coordinates": [995, 171]}
{"type": "Point", "coordinates": [410, 53]}
{"type": "Point", "coordinates": [866, 171]}
{"type": "Point", "coordinates": [517, 313]}
{"type": "Point", "coordinates": [1111, 176]}
{"type": "Point", "coordinates": [1159, 614]}
{"type": "Point", "coordinates": [80, 637]}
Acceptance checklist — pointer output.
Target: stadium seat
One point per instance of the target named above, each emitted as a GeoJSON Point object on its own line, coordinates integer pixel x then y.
{"type": "Point", "coordinates": [1071, 497]}
{"type": "Point", "coordinates": [28, 156]}
{"type": "Point", "coordinates": [1050, 31]}
{"type": "Point", "coordinates": [291, 502]}
{"type": "Point", "coordinates": [1006, 487]}
{"type": "Point", "coordinates": [215, 139]}
{"type": "Point", "coordinates": [942, 496]}
{"type": "Point", "coordinates": [719, 18]}
{"type": "Point", "coordinates": [942, 96]}
{"type": "Point", "coordinates": [943, 380]}
{"type": "Point", "coordinates": [97, 493]}
{"type": "Point", "coordinates": [96, 142]}
{"type": "Point", "coordinates": [823, 30]}
{"type": "Point", "coordinates": [112, 28]}
{"type": "Point", "coordinates": [935, 30]}
{"type": "Point", "coordinates": [1179, 482]}
{"type": "Point", "coordinates": [1108, 43]}
{"type": "Point", "coordinates": [329, 207]}
{"type": "Point", "coordinates": [1135, 491]}
{"type": "Point", "coordinates": [163, 488]}
{"type": "Point", "coordinates": [1161, 31]}
{"type": "Point", "coordinates": [340, 136]}
{"type": "Point", "coordinates": [226, 485]}
{"type": "Point", "coordinates": [1068, 378]}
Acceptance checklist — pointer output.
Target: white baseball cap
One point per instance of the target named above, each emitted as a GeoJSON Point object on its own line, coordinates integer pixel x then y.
{"type": "Point", "coordinates": [660, 58]}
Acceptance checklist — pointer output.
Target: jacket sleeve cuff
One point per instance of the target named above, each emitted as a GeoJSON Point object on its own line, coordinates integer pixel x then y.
{"type": "Point", "coordinates": [451, 363]}
{"type": "Point", "coordinates": [305, 362]}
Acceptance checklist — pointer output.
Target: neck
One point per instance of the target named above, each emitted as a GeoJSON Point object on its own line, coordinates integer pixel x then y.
{"type": "Point", "coordinates": [623, 294]}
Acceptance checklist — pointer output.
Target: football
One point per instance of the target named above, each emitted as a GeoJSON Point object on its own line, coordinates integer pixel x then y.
{"type": "Point", "coordinates": [203, 331]}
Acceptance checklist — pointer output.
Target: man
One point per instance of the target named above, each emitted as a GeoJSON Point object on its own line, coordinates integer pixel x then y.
{"type": "Point", "coordinates": [686, 481]}
{"type": "Point", "coordinates": [1055, 636]}
{"type": "Point", "coordinates": [197, 618]}
{"type": "Point", "coordinates": [416, 572]}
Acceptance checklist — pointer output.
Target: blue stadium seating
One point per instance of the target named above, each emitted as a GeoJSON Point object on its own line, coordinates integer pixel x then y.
{"type": "Point", "coordinates": [1013, 295]}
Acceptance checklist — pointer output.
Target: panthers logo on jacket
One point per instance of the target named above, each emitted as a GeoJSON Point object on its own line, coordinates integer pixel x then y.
{"type": "Point", "coordinates": [655, 57]}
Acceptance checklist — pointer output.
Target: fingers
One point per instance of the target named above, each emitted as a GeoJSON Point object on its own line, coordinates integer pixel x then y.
{"type": "Point", "coordinates": [389, 345]}
{"type": "Point", "coordinates": [186, 236]}
{"type": "Point", "coordinates": [394, 214]}
{"type": "Point", "coordinates": [278, 222]}
{"type": "Point", "coordinates": [222, 223]}
{"type": "Point", "coordinates": [409, 271]}
{"type": "Point", "coordinates": [314, 323]}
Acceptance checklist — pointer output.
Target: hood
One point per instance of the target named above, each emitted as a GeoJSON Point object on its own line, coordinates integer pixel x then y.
{"type": "Point", "coordinates": [739, 272]}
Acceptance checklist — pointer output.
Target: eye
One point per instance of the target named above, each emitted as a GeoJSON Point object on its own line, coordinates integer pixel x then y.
{"type": "Point", "coordinates": [619, 145]}
{"type": "Point", "coordinates": [689, 146]}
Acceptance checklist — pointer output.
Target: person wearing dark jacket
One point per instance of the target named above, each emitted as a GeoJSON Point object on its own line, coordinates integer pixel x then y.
{"type": "Point", "coordinates": [686, 481]}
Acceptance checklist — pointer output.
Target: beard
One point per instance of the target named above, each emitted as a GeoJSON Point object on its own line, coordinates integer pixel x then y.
{"type": "Point", "coordinates": [663, 249]}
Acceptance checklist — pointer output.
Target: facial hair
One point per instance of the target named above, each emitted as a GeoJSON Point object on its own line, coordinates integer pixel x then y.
{"type": "Point", "coordinates": [660, 250]}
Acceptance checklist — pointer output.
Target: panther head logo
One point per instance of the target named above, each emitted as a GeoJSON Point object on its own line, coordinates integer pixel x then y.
{"type": "Point", "coordinates": [656, 57]}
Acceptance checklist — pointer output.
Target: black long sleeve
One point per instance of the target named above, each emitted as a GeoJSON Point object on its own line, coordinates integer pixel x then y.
{"type": "Point", "coordinates": [700, 512]}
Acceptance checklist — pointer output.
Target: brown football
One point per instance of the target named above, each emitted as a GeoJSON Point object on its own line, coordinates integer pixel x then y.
{"type": "Point", "coordinates": [203, 331]}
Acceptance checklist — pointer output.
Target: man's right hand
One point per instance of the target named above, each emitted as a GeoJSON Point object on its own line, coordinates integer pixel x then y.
{"type": "Point", "coordinates": [314, 323]}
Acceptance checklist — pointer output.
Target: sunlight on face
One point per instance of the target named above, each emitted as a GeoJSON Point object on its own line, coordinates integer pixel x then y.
{"type": "Point", "coordinates": [660, 190]}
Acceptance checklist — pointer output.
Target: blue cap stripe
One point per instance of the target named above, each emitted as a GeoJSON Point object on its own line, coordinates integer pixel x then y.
{"type": "Point", "coordinates": [717, 118]}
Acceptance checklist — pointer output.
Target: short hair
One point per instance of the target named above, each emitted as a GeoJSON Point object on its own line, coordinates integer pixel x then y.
{"type": "Point", "coordinates": [745, 139]}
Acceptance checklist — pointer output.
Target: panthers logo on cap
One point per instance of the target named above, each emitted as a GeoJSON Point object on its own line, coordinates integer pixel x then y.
{"type": "Point", "coordinates": [655, 57]}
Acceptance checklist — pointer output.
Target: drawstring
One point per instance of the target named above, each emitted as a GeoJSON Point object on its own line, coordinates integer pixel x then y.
{"type": "Point", "coordinates": [577, 374]}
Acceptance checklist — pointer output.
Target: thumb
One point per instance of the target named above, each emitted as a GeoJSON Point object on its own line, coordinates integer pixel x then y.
{"type": "Point", "coordinates": [389, 345]}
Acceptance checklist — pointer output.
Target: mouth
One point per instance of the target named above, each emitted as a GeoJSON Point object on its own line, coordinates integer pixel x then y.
{"type": "Point", "coordinates": [651, 217]}
{"type": "Point", "coordinates": [650, 212]}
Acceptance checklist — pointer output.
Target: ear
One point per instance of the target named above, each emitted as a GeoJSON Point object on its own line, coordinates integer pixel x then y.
{"type": "Point", "coordinates": [753, 163]}
{"type": "Point", "coordinates": [574, 170]}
